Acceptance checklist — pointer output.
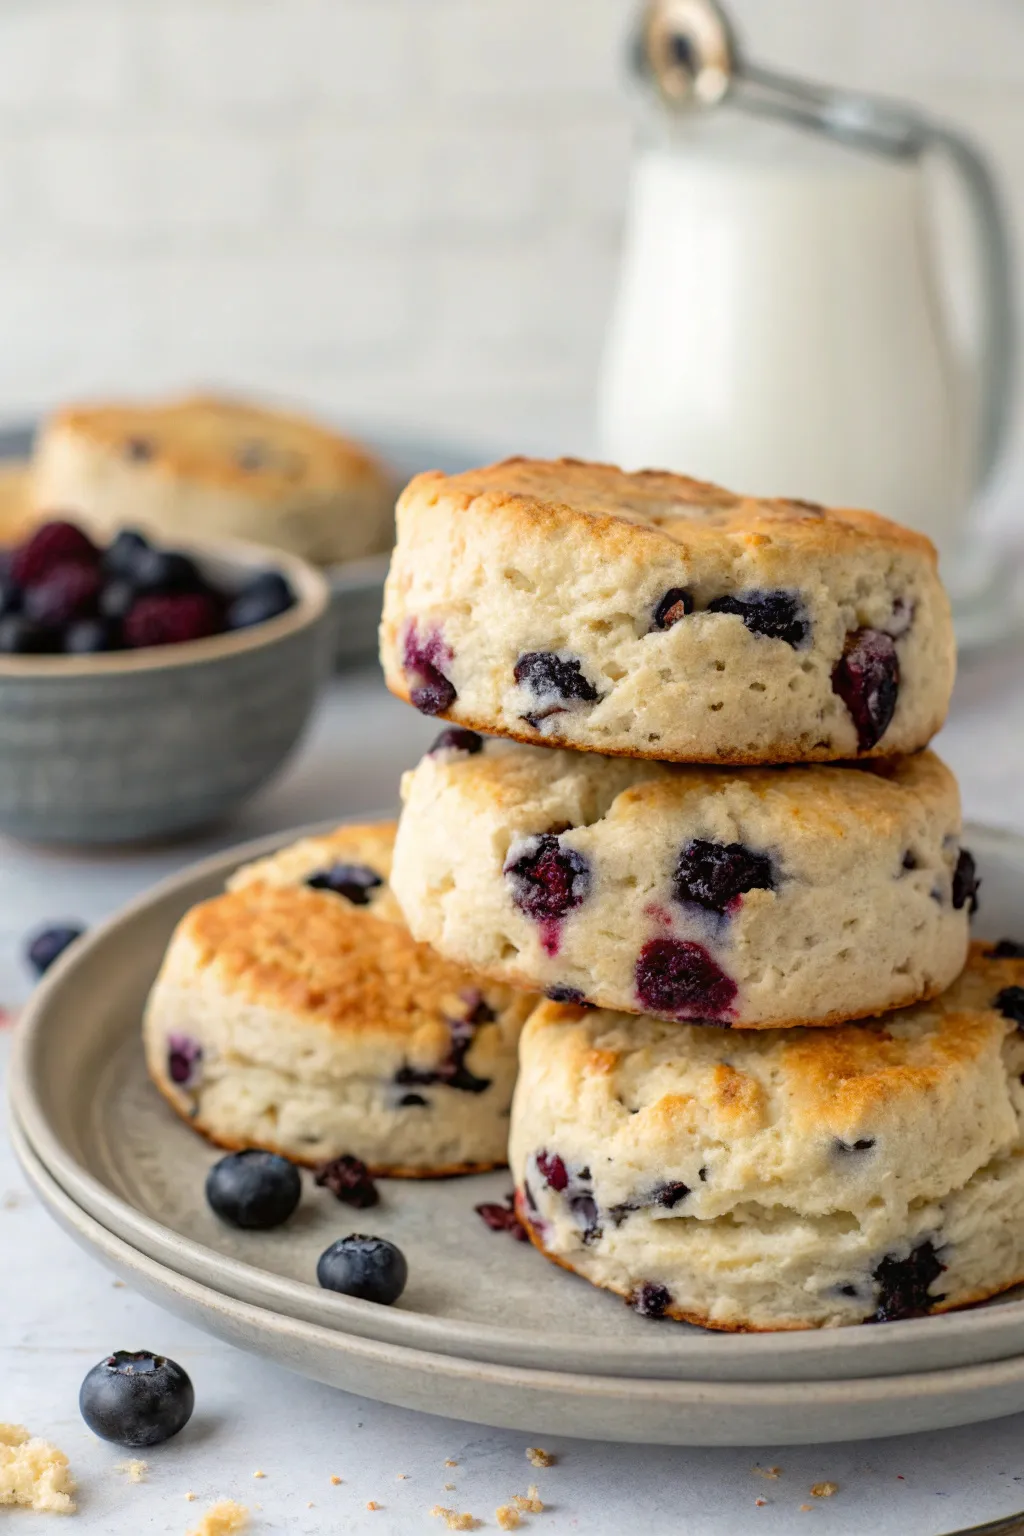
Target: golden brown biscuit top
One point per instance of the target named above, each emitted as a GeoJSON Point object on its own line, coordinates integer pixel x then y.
{"type": "Point", "coordinates": [229, 443]}
{"type": "Point", "coordinates": [823, 800]}
{"type": "Point", "coordinates": [690, 512]}
{"type": "Point", "coordinates": [330, 963]}
{"type": "Point", "coordinates": [679, 1078]}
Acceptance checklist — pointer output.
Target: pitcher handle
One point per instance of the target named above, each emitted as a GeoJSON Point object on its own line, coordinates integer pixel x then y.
{"type": "Point", "coordinates": [997, 350]}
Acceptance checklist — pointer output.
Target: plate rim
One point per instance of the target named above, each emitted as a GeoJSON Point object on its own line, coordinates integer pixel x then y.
{"type": "Point", "coordinates": [682, 1395]}
{"type": "Point", "coordinates": [696, 1355]}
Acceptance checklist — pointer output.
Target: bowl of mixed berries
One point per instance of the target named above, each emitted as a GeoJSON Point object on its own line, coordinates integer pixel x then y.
{"type": "Point", "coordinates": [147, 691]}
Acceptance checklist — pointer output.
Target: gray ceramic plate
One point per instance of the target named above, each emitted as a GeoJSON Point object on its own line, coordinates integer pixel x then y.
{"type": "Point", "coordinates": [594, 1407]}
{"type": "Point", "coordinates": [79, 1088]}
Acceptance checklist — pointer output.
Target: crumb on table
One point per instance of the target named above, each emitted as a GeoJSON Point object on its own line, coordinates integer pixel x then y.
{"type": "Point", "coordinates": [507, 1517]}
{"type": "Point", "coordinates": [449, 1487]}
{"type": "Point", "coordinates": [539, 1458]}
{"type": "Point", "coordinates": [454, 1520]}
{"type": "Point", "coordinates": [450, 1463]}
{"type": "Point", "coordinates": [134, 1470]}
{"type": "Point", "coordinates": [33, 1473]}
{"type": "Point", "coordinates": [225, 1518]}
{"type": "Point", "coordinates": [528, 1501]}
{"type": "Point", "coordinates": [769, 1472]}
{"type": "Point", "coordinates": [372, 1504]}
{"type": "Point", "coordinates": [805, 1509]}
{"type": "Point", "coordinates": [760, 1503]}
{"type": "Point", "coordinates": [335, 1480]}
{"type": "Point", "coordinates": [259, 1474]}
{"type": "Point", "coordinates": [824, 1490]}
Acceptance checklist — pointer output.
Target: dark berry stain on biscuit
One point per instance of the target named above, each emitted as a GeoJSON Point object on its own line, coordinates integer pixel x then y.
{"type": "Point", "coordinates": [1006, 949]}
{"type": "Point", "coordinates": [567, 995]}
{"type": "Point", "coordinates": [348, 1180]}
{"type": "Point", "coordinates": [650, 1299]}
{"type": "Point", "coordinates": [903, 1285]}
{"type": "Point", "coordinates": [675, 605]}
{"type": "Point", "coordinates": [424, 658]}
{"type": "Point", "coordinates": [775, 615]}
{"type": "Point", "coordinates": [845, 1148]}
{"type": "Point", "coordinates": [584, 1209]}
{"type": "Point", "coordinates": [457, 739]}
{"type": "Point", "coordinates": [680, 979]}
{"type": "Point", "coordinates": [356, 882]}
{"type": "Point", "coordinates": [556, 682]}
{"type": "Point", "coordinates": [1010, 1003]}
{"type": "Point", "coordinates": [715, 875]}
{"type": "Point", "coordinates": [552, 1170]}
{"type": "Point", "coordinates": [668, 1196]}
{"type": "Point", "coordinates": [184, 1060]}
{"type": "Point", "coordinates": [867, 679]}
{"type": "Point", "coordinates": [965, 882]}
{"type": "Point", "coordinates": [452, 1072]}
{"type": "Point", "coordinates": [548, 881]}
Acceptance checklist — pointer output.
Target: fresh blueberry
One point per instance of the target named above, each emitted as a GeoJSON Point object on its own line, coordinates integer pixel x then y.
{"type": "Point", "coordinates": [67, 592]}
{"type": "Point", "coordinates": [52, 544]}
{"type": "Point", "coordinates": [120, 557]}
{"type": "Point", "coordinates": [1006, 949]}
{"type": "Point", "coordinates": [650, 1299]}
{"type": "Point", "coordinates": [679, 978]}
{"type": "Point", "coordinates": [262, 599]}
{"type": "Point", "coordinates": [457, 739]}
{"type": "Point", "coordinates": [20, 636]}
{"type": "Point", "coordinates": [165, 570]}
{"type": "Point", "coordinates": [904, 1285]}
{"type": "Point", "coordinates": [90, 637]}
{"type": "Point", "coordinates": [348, 1180]}
{"type": "Point", "coordinates": [547, 879]}
{"type": "Point", "coordinates": [368, 1267]}
{"type": "Point", "coordinates": [117, 599]}
{"type": "Point", "coordinates": [714, 875]}
{"type": "Point", "coordinates": [46, 946]}
{"type": "Point", "coordinates": [965, 883]}
{"type": "Point", "coordinates": [10, 595]}
{"type": "Point", "coordinates": [431, 691]}
{"type": "Point", "coordinates": [776, 615]}
{"type": "Point", "coordinates": [136, 1398]}
{"type": "Point", "coordinates": [675, 605]}
{"type": "Point", "coordinates": [867, 679]}
{"type": "Point", "coordinates": [184, 1060]}
{"type": "Point", "coordinates": [1010, 1003]}
{"type": "Point", "coordinates": [356, 882]}
{"type": "Point", "coordinates": [253, 1189]}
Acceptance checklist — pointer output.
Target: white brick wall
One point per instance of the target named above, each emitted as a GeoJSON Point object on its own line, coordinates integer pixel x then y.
{"type": "Point", "coordinates": [403, 211]}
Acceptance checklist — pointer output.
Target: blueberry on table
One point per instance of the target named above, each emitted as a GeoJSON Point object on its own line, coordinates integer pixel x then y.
{"type": "Point", "coordinates": [136, 1398]}
{"type": "Point", "coordinates": [46, 946]}
{"type": "Point", "coordinates": [259, 600]}
{"type": "Point", "coordinates": [368, 1267]}
{"type": "Point", "coordinates": [255, 1190]}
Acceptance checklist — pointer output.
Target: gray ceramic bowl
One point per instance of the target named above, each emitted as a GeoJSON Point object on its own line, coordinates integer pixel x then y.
{"type": "Point", "coordinates": [144, 744]}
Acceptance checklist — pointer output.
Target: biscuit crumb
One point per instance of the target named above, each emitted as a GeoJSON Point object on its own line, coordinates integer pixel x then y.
{"type": "Point", "coordinates": [225, 1518]}
{"type": "Point", "coordinates": [372, 1504]}
{"type": "Point", "coordinates": [770, 1472]}
{"type": "Point", "coordinates": [449, 1487]}
{"type": "Point", "coordinates": [760, 1503]}
{"type": "Point", "coordinates": [507, 1517]}
{"type": "Point", "coordinates": [824, 1490]}
{"type": "Point", "coordinates": [805, 1509]}
{"type": "Point", "coordinates": [10, 1201]}
{"type": "Point", "coordinates": [528, 1501]}
{"type": "Point", "coordinates": [119, 1285]}
{"type": "Point", "coordinates": [335, 1480]}
{"type": "Point", "coordinates": [401, 1477]}
{"type": "Point", "coordinates": [259, 1474]}
{"type": "Point", "coordinates": [453, 1520]}
{"type": "Point", "coordinates": [135, 1471]}
{"type": "Point", "coordinates": [451, 1463]}
{"type": "Point", "coordinates": [190, 1497]}
{"type": "Point", "coordinates": [34, 1473]}
{"type": "Point", "coordinates": [538, 1458]}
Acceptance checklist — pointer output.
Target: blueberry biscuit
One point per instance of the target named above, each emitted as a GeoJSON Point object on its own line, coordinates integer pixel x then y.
{"type": "Point", "coordinates": [751, 897]}
{"type": "Point", "coordinates": [296, 1013]}
{"type": "Point", "coordinates": [795, 1179]}
{"type": "Point", "coordinates": [215, 468]}
{"type": "Point", "coordinates": [654, 616]}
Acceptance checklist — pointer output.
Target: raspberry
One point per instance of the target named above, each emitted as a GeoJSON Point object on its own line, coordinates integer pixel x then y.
{"type": "Point", "coordinates": [171, 619]}
{"type": "Point", "coordinates": [52, 544]}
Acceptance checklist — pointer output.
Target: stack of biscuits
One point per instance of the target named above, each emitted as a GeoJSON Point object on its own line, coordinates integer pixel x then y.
{"type": "Point", "coordinates": [772, 1084]}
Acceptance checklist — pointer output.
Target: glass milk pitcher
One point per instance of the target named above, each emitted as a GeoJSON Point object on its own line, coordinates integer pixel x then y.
{"type": "Point", "coordinates": [779, 325]}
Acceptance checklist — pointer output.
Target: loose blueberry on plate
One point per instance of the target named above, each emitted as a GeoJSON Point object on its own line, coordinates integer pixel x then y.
{"type": "Point", "coordinates": [254, 1190]}
{"type": "Point", "coordinates": [368, 1267]}
{"type": "Point", "coordinates": [49, 944]}
{"type": "Point", "coordinates": [259, 600]}
{"type": "Point", "coordinates": [136, 1398]}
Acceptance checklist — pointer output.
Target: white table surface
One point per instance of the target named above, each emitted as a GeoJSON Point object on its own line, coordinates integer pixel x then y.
{"type": "Point", "coordinates": [60, 1311]}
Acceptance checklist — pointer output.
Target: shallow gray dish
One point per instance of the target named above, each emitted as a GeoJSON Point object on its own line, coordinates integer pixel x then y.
{"type": "Point", "coordinates": [142, 744]}
{"type": "Point", "coordinates": [629, 1409]}
{"type": "Point", "coordinates": [79, 1088]}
